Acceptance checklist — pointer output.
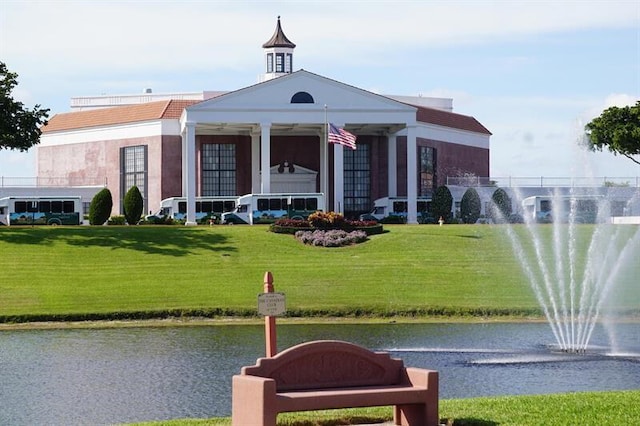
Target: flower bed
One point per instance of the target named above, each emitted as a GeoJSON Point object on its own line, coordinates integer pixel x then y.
{"type": "Point", "coordinates": [331, 238]}
{"type": "Point", "coordinates": [327, 229]}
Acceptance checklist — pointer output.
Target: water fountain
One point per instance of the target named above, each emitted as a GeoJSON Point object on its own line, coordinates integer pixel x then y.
{"type": "Point", "coordinates": [573, 268]}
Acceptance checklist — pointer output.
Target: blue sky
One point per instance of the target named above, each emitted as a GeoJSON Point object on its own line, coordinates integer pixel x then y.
{"type": "Point", "coordinates": [533, 72]}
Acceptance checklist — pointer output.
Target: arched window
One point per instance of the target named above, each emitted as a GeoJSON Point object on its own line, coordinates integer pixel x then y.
{"type": "Point", "coordinates": [302, 98]}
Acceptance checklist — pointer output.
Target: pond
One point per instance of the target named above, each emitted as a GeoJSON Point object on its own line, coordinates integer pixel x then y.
{"type": "Point", "coordinates": [124, 375]}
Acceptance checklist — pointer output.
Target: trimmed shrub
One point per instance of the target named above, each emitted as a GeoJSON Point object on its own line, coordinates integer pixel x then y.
{"type": "Point", "coordinates": [292, 223]}
{"type": "Point", "coordinates": [501, 206]}
{"type": "Point", "coordinates": [352, 225]}
{"type": "Point", "coordinates": [441, 203]}
{"type": "Point", "coordinates": [289, 226]}
{"type": "Point", "coordinates": [324, 222]}
{"type": "Point", "coordinates": [328, 220]}
{"type": "Point", "coordinates": [133, 205]}
{"type": "Point", "coordinates": [100, 207]}
{"type": "Point", "coordinates": [470, 206]}
{"type": "Point", "coordinates": [158, 220]}
{"type": "Point", "coordinates": [116, 220]}
{"type": "Point", "coordinates": [393, 219]}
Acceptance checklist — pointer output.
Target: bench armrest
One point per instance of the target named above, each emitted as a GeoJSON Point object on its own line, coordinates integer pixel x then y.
{"type": "Point", "coordinates": [252, 396]}
{"type": "Point", "coordinates": [420, 377]}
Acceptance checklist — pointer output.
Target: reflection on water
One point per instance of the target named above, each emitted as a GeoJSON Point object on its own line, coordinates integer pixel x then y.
{"type": "Point", "coordinates": [108, 376]}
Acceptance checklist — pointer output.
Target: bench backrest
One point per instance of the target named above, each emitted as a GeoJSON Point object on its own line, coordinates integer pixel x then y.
{"type": "Point", "coordinates": [326, 364]}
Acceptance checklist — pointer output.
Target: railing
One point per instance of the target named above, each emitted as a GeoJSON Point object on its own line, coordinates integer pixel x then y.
{"type": "Point", "coordinates": [36, 182]}
{"type": "Point", "coordinates": [543, 181]}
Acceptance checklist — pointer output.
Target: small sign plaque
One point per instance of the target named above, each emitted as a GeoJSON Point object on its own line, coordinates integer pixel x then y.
{"type": "Point", "coordinates": [271, 304]}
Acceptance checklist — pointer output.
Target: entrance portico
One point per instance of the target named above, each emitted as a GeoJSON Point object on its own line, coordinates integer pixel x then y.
{"type": "Point", "coordinates": [267, 110]}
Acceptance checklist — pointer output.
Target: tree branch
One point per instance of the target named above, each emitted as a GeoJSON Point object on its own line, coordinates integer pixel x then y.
{"type": "Point", "coordinates": [631, 158]}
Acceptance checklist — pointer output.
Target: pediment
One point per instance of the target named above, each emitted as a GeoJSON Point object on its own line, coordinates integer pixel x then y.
{"type": "Point", "coordinates": [291, 169]}
{"type": "Point", "coordinates": [271, 101]}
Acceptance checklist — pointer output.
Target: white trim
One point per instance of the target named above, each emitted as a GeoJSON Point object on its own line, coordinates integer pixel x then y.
{"type": "Point", "coordinates": [449, 135]}
{"type": "Point", "coordinates": [255, 162]}
{"type": "Point", "coordinates": [412, 173]}
{"type": "Point", "coordinates": [265, 157]}
{"type": "Point", "coordinates": [166, 127]}
{"type": "Point", "coordinates": [189, 154]}
{"type": "Point", "coordinates": [392, 165]}
{"type": "Point", "coordinates": [338, 177]}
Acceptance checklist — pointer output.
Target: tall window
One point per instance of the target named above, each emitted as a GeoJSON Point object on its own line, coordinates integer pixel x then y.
{"type": "Point", "coordinates": [427, 170]}
{"type": "Point", "coordinates": [287, 63]}
{"type": "Point", "coordinates": [279, 62]}
{"type": "Point", "coordinates": [218, 169]}
{"type": "Point", "coordinates": [357, 179]}
{"type": "Point", "coordinates": [133, 170]}
{"type": "Point", "coordinates": [269, 62]}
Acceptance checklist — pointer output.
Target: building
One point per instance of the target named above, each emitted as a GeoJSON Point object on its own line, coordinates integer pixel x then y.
{"type": "Point", "coordinates": [267, 137]}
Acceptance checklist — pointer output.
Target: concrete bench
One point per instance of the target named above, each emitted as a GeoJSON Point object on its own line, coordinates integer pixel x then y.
{"type": "Point", "coordinates": [329, 374]}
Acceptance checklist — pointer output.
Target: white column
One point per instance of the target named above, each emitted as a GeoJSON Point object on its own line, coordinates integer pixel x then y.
{"type": "Point", "coordinates": [184, 161]}
{"type": "Point", "coordinates": [189, 139]}
{"type": "Point", "coordinates": [265, 159]}
{"type": "Point", "coordinates": [338, 178]}
{"type": "Point", "coordinates": [392, 165]}
{"type": "Point", "coordinates": [412, 176]}
{"type": "Point", "coordinates": [255, 163]}
{"type": "Point", "coordinates": [324, 165]}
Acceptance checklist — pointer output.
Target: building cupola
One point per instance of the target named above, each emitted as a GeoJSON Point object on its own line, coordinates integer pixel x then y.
{"type": "Point", "coordinates": [278, 52]}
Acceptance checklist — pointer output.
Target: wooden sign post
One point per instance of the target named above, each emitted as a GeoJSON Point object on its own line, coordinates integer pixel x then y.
{"type": "Point", "coordinates": [270, 304]}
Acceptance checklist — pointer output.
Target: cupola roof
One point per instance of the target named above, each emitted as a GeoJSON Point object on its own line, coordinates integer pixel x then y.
{"type": "Point", "coordinates": [278, 39]}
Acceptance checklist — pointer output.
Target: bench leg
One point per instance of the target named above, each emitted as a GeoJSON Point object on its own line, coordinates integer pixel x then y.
{"type": "Point", "coordinates": [415, 415]}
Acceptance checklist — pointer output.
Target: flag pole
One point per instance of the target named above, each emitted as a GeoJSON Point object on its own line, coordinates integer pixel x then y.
{"type": "Point", "coordinates": [325, 172]}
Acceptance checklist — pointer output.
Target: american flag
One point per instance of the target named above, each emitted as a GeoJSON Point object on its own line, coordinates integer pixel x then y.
{"type": "Point", "coordinates": [341, 136]}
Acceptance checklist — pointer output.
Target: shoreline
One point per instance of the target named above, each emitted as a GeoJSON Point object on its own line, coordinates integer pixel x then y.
{"type": "Point", "coordinates": [233, 321]}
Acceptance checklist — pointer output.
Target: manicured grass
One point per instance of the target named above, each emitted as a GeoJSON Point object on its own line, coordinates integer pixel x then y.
{"type": "Point", "coordinates": [146, 271]}
{"type": "Point", "coordinates": [584, 409]}
{"type": "Point", "coordinates": [130, 272]}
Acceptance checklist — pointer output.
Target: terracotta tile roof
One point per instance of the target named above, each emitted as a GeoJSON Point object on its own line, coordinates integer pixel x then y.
{"type": "Point", "coordinates": [450, 119]}
{"type": "Point", "coordinates": [171, 109]}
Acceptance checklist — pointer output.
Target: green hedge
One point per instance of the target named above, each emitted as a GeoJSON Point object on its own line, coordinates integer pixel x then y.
{"type": "Point", "coordinates": [279, 229]}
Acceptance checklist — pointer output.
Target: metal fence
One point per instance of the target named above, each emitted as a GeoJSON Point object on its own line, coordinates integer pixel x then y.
{"type": "Point", "coordinates": [543, 181]}
{"type": "Point", "coordinates": [44, 182]}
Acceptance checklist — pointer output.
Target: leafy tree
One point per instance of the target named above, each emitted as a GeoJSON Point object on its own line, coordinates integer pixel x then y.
{"type": "Point", "coordinates": [19, 127]}
{"type": "Point", "coordinates": [100, 207]}
{"type": "Point", "coordinates": [441, 203]}
{"type": "Point", "coordinates": [501, 205]}
{"type": "Point", "coordinates": [470, 206]}
{"type": "Point", "coordinates": [618, 130]}
{"type": "Point", "coordinates": [133, 205]}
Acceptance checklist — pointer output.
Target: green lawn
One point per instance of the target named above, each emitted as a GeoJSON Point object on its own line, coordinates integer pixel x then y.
{"type": "Point", "coordinates": [121, 272]}
{"type": "Point", "coordinates": [570, 409]}
{"type": "Point", "coordinates": [57, 272]}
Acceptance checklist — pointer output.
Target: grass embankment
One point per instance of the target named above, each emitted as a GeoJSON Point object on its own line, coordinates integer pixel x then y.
{"type": "Point", "coordinates": [79, 273]}
{"type": "Point", "coordinates": [83, 273]}
{"type": "Point", "coordinates": [584, 408]}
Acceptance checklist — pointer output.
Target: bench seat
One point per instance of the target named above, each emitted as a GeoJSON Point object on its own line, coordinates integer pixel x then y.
{"type": "Point", "coordinates": [373, 396]}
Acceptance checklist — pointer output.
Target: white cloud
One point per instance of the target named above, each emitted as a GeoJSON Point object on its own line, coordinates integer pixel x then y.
{"type": "Point", "coordinates": [94, 35]}
{"type": "Point", "coordinates": [620, 100]}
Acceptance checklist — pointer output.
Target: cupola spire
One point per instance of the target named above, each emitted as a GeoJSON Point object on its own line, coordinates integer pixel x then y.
{"type": "Point", "coordinates": [278, 51]}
